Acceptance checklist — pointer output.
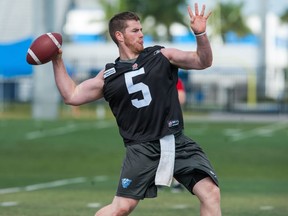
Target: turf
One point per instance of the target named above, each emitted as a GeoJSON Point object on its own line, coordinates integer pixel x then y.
{"type": "Point", "coordinates": [250, 160]}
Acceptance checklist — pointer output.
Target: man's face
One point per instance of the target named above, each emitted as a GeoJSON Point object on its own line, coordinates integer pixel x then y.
{"type": "Point", "coordinates": [133, 36]}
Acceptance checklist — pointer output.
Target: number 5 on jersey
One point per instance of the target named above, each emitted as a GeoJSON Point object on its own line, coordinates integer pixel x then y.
{"type": "Point", "coordinates": [138, 87]}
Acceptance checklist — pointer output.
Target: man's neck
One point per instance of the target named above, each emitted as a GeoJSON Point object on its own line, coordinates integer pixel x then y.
{"type": "Point", "coordinates": [127, 55]}
{"type": "Point", "coordinates": [128, 60]}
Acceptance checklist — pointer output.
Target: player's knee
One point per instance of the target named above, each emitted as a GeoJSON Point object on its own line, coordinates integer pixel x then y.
{"type": "Point", "coordinates": [123, 211]}
{"type": "Point", "coordinates": [213, 196]}
{"type": "Point", "coordinates": [124, 208]}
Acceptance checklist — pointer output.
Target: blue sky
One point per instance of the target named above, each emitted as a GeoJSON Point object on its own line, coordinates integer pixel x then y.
{"type": "Point", "coordinates": [251, 6]}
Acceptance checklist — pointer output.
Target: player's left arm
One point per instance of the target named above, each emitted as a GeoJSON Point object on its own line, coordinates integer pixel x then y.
{"type": "Point", "coordinates": [202, 57]}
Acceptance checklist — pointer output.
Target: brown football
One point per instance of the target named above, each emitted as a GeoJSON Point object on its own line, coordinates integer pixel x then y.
{"type": "Point", "coordinates": [44, 48]}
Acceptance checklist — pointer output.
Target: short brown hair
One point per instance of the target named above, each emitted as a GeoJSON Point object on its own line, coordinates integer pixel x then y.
{"type": "Point", "coordinates": [119, 23]}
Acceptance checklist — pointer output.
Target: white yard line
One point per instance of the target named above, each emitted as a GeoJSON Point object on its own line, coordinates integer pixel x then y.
{"type": "Point", "coordinates": [52, 184]}
{"type": "Point", "coordinates": [94, 205]}
{"type": "Point", "coordinates": [266, 208]}
{"type": "Point", "coordinates": [8, 204]}
{"type": "Point", "coordinates": [266, 130]}
{"type": "Point", "coordinates": [180, 206]}
{"type": "Point", "coordinates": [66, 129]}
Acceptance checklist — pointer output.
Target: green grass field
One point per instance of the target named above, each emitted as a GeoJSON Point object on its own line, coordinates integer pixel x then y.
{"type": "Point", "coordinates": [70, 167]}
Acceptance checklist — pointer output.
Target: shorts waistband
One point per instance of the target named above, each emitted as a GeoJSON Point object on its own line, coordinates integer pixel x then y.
{"type": "Point", "coordinates": [157, 141]}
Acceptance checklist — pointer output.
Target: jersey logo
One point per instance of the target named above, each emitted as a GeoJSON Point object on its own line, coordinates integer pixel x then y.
{"type": "Point", "coordinates": [109, 72]}
{"type": "Point", "coordinates": [135, 66]}
{"type": "Point", "coordinates": [126, 182]}
{"type": "Point", "coordinates": [173, 123]}
{"type": "Point", "coordinates": [157, 52]}
{"type": "Point", "coordinates": [213, 173]}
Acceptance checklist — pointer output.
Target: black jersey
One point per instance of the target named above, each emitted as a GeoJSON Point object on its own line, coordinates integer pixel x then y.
{"type": "Point", "coordinates": [143, 96]}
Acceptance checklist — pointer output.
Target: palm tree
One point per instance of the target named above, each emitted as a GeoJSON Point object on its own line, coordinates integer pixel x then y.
{"type": "Point", "coordinates": [160, 12]}
{"type": "Point", "coordinates": [230, 19]}
{"type": "Point", "coordinates": [284, 16]}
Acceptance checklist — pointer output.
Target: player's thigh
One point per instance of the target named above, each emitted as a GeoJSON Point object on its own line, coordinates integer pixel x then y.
{"type": "Point", "coordinates": [137, 178]}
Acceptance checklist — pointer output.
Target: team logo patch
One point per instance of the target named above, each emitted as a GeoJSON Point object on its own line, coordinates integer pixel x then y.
{"type": "Point", "coordinates": [126, 182]}
{"type": "Point", "coordinates": [109, 72]}
{"type": "Point", "coordinates": [173, 123]}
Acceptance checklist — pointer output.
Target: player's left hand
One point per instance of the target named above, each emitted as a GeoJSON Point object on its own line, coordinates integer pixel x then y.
{"type": "Point", "coordinates": [198, 21]}
{"type": "Point", "coordinates": [58, 55]}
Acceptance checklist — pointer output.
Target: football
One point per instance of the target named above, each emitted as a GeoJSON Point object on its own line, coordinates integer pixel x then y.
{"type": "Point", "coordinates": [44, 48]}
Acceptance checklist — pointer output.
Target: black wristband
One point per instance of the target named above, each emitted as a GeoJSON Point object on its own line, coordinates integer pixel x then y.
{"type": "Point", "coordinates": [200, 34]}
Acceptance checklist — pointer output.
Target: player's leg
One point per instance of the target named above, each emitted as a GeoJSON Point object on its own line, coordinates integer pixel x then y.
{"type": "Point", "coordinates": [120, 206]}
{"type": "Point", "coordinates": [194, 171]}
{"type": "Point", "coordinates": [208, 194]}
{"type": "Point", "coordinates": [134, 182]}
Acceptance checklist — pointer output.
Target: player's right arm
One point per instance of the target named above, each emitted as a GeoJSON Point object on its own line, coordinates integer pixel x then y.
{"type": "Point", "coordinates": [72, 94]}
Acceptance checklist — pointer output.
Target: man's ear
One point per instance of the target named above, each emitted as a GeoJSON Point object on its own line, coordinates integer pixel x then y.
{"type": "Point", "coordinates": [119, 36]}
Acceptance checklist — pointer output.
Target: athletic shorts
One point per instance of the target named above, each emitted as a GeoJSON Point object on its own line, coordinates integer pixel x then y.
{"type": "Point", "coordinates": [137, 179]}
